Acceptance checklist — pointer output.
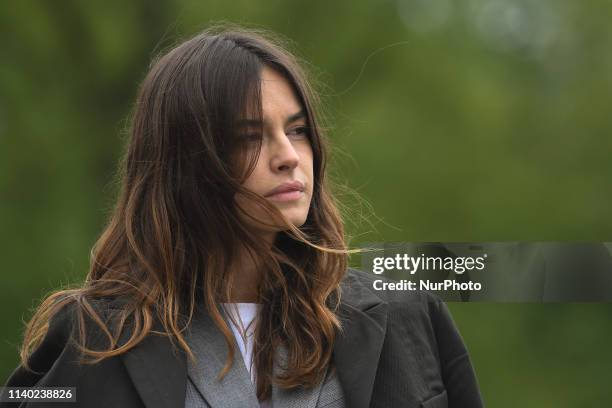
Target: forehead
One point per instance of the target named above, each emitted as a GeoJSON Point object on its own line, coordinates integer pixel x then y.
{"type": "Point", "coordinates": [277, 95]}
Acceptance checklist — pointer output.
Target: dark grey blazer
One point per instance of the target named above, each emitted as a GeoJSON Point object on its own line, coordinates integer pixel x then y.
{"type": "Point", "coordinates": [398, 349]}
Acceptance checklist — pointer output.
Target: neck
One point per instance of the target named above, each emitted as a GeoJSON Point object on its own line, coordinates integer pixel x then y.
{"type": "Point", "coordinates": [247, 275]}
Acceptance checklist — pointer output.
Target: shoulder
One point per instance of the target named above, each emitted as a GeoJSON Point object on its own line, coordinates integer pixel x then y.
{"type": "Point", "coordinates": [58, 341]}
{"type": "Point", "coordinates": [420, 337]}
{"type": "Point", "coordinates": [358, 284]}
{"type": "Point", "coordinates": [84, 315]}
{"type": "Point", "coordinates": [424, 313]}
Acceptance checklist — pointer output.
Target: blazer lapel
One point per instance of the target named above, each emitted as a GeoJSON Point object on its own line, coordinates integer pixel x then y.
{"type": "Point", "coordinates": [158, 372]}
{"type": "Point", "coordinates": [357, 349]}
{"type": "Point", "coordinates": [208, 345]}
{"type": "Point", "coordinates": [299, 397]}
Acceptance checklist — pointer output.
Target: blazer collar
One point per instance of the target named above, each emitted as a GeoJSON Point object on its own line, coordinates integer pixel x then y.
{"type": "Point", "coordinates": [299, 397]}
{"type": "Point", "coordinates": [357, 348]}
{"type": "Point", "coordinates": [208, 345]}
{"type": "Point", "coordinates": [159, 370]}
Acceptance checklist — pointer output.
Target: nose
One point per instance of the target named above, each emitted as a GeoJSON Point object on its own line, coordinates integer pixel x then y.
{"type": "Point", "coordinates": [284, 156]}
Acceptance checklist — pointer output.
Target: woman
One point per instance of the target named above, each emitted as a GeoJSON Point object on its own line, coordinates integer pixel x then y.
{"type": "Point", "coordinates": [226, 236]}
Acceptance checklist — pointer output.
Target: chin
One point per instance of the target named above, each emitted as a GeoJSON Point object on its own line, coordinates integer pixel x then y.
{"type": "Point", "coordinates": [296, 219]}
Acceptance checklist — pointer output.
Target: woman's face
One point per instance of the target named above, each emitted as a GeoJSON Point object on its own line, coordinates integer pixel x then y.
{"type": "Point", "coordinates": [283, 174]}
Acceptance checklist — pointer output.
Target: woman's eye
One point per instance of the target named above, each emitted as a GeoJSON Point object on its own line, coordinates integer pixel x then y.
{"type": "Point", "coordinates": [300, 131]}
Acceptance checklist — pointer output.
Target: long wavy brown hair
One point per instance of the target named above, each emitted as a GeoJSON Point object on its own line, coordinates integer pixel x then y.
{"type": "Point", "coordinates": [169, 243]}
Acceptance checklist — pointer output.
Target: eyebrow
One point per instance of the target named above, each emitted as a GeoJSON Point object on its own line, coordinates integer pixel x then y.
{"type": "Point", "coordinates": [256, 122]}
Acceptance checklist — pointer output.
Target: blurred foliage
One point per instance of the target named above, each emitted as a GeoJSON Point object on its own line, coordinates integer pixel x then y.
{"type": "Point", "coordinates": [481, 120]}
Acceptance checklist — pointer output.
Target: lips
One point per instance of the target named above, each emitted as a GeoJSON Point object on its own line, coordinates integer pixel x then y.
{"type": "Point", "coordinates": [289, 187]}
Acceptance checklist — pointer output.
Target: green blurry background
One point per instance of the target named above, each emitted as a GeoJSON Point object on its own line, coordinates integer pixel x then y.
{"type": "Point", "coordinates": [482, 120]}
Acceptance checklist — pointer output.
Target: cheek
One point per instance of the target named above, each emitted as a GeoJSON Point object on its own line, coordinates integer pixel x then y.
{"type": "Point", "coordinates": [307, 163]}
{"type": "Point", "coordinates": [306, 156]}
{"type": "Point", "coordinates": [306, 167]}
{"type": "Point", "coordinates": [254, 181]}
{"type": "Point", "coordinates": [257, 177]}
